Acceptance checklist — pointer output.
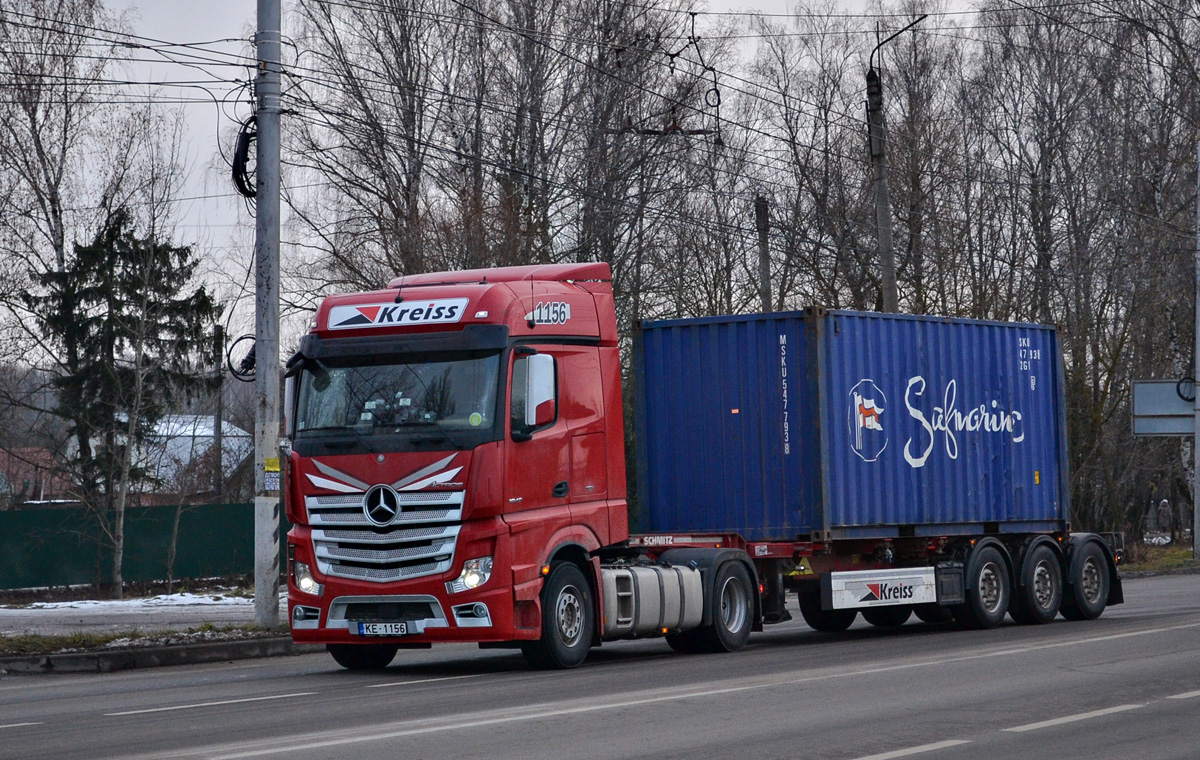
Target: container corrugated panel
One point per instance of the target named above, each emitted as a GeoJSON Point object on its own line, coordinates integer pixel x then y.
{"type": "Point", "coordinates": [718, 427]}
{"type": "Point", "coordinates": [937, 422]}
{"type": "Point", "coordinates": [847, 424]}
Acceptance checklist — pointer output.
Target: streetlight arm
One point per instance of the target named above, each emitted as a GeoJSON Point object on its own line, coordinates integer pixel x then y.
{"type": "Point", "coordinates": [871, 60]}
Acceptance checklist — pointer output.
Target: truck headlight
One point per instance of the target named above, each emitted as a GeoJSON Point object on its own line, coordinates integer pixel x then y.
{"type": "Point", "coordinates": [305, 580]}
{"type": "Point", "coordinates": [474, 574]}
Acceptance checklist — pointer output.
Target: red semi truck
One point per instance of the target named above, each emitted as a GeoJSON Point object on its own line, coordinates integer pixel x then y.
{"type": "Point", "coordinates": [456, 472]}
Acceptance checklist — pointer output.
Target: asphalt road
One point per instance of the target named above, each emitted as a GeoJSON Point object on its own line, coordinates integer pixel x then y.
{"type": "Point", "coordinates": [1124, 686]}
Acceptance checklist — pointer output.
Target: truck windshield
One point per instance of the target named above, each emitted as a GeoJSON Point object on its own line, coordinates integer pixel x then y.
{"type": "Point", "coordinates": [398, 402]}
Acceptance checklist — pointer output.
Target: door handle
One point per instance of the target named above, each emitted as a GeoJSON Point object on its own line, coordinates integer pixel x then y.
{"type": "Point", "coordinates": [561, 489]}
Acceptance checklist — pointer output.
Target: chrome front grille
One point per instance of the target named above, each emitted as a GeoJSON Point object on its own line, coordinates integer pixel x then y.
{"type": "Point", "coordinates": [348, 545]}
{"type": "Point", "coordinates": [419, 507]}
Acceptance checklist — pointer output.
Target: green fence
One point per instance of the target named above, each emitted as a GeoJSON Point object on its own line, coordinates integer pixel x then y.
{"type": "Point", "coordinates": [59, 547]}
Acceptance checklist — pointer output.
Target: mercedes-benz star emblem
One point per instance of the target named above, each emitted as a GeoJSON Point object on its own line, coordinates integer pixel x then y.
{"type": "Point", "coordinates": [381, 504]}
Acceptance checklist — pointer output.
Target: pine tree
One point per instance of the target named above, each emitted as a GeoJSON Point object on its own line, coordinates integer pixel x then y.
{"type": "Point", "coordinates": [129, 326]}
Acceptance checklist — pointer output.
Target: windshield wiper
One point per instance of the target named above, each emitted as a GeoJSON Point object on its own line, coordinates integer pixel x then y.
{"type": "Point", "coordinates": [345, 429]}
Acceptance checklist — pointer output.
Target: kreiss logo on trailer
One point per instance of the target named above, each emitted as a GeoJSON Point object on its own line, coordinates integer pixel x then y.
{"type": "Point", "coordinates": [887, 592]}
{"type": "Point", "coordinates": [359, 316]}
{"type": "Point", "coordinates": [868, 438]}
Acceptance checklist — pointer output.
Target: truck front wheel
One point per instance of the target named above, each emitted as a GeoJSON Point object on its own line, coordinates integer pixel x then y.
{"type": "Point", "coordinates": [825, 621]}
{"type": "Point", "coordinates": [362, 656]}
{"type": "Point", "coordinates": [567, 621]}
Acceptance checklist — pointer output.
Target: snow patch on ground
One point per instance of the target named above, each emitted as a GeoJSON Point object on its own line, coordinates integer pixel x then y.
{"type": "Point", "coordinates": [154, 602]}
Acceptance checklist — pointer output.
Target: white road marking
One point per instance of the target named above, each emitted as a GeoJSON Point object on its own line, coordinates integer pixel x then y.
{"type": "Point", "coordinates": [1185, 695]}
{"type": "Point", "coordinates": [398, 729]}
{"type": "Point", "coordinates": [18, 725]}
{"type": "Point", "coordinates": [915, 750]}
{"type": "Point", "coordinates": [423, 680]}
{"type": "Point", "coordinates": [1071, 718]}
{"type": "Point", "coordinates": [212, 704]}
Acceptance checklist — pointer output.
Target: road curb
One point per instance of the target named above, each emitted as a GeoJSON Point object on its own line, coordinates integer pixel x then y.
{"type": "Point", "coordinates": [154, 657]}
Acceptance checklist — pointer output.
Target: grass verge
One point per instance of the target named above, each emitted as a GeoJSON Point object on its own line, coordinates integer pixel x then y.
{"type": "Point", "coordinates": [1158, 559]}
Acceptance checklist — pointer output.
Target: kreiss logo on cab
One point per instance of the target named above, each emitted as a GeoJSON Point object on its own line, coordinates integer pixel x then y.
{"type": "Point", "coordinates": [361, 316]}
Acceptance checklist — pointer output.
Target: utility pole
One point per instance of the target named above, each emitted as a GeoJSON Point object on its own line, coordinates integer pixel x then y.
{"type": "Point", "coordinates": [1196, 386]}
{"type": "Point", "coordinates": [266, 302]}
{"type": "Point", "coordinates": [763, 222]}
{"type": "Point", "coordinates": [883, 205]}
{"type": "Point", "coordinates": [219, 413]}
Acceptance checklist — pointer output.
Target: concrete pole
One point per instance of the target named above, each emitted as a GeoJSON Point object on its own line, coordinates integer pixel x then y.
{"type": "Point", "coordinates": [1196, 386]}
{"type": "Point", "coordinates": [883, 204]}
{"type": "Point", "coordinates": [762, 221]}
{"type": "Point", "coordinates": [219, 413]}
{"type": "Point", "coordinates": [266, 301]}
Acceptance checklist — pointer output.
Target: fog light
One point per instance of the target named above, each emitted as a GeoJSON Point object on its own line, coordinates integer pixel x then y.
{"type": "Point", "coordinates": [474, 574]}
{"type": "Point", "coordinates": [305, 580]}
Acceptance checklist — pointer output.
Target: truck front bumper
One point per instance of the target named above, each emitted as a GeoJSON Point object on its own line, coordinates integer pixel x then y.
{"type": "Point", "coordinates": [431, 613]}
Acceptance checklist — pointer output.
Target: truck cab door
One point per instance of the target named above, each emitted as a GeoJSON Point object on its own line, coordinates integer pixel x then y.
{"type": "Point", "coordinates": [538, 461]}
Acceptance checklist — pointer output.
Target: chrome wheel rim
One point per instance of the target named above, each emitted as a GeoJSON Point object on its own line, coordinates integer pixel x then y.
{"type": "Point", "coordinates": [990, 589]}
{"type": "Point", "coordinates": [568, 613]}
{"type": "Point", "coordinates": [1043, 585]}
{"type": "Point", "coordinates": [733, 605]}
{"type": "Point", "coordinates": [1090, 577]}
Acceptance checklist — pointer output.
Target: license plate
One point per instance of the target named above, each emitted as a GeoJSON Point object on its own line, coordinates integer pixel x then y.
{"type": "Point", "coordinates": [383, 629]}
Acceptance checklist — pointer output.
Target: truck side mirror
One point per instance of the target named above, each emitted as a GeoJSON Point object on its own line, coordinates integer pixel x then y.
{"type": "Point", "coordinates": [540, 397]}
{"type": "Point", "coordinates": [289, 406]}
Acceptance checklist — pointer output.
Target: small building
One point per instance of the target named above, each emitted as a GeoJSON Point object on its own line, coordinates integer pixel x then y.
{"type": "Point", "coordinates": [180, 448]}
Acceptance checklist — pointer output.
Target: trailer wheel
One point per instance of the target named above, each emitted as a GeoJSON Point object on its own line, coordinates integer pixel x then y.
{"type": "Point", "coordinates": [989, 595]}
{"type": "Point", "coordinates": [887, 617]}
{"type": "Point", "coordinates": [1088, 594]}
{"type": "Point", "coordinates": [567, 621]}
{"type": "Point", "coordinates": [733, 614]}
{"type": "Point", "coordinates": [934, 614]}
{"type": "Point", "coordinates": [825, 621]}
{"type": "Point", "coordinates": [1041, 592]}
{"type": "Point", "coordinates": [362, 656]}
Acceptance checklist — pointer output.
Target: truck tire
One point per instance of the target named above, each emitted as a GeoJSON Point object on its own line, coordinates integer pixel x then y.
{"type": "Point", "coordinates": [887, 617]}
{"type": "Point", "coordinates": [732, 615]}
{"type": "Point", "coordinates": [1087, 595]}
{"type": "Point", "coordinates": [1041, 592]}
{"type": "Point", "coordinates": [934, 614]}
{"type": "Point", "coordinates": [990, 592]}
{"type": "Point", "coordinates": [567, 621]}
{"type": "Point", "coordinates": [362, 656]}
{"type": "Point", "coordinates": [825, 621]}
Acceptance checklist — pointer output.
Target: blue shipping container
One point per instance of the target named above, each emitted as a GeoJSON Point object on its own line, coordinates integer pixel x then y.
{"type": "Point", "coordinates": [843, 424]}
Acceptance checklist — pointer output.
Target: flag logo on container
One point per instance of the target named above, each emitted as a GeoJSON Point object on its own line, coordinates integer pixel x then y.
{"type": "Point", "coordinates": [868, 438]}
